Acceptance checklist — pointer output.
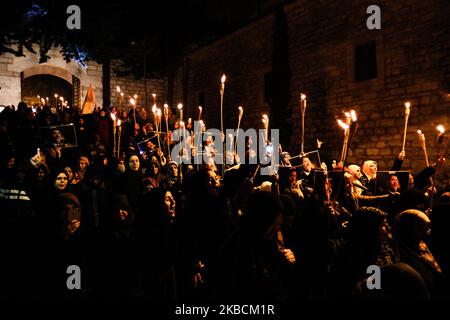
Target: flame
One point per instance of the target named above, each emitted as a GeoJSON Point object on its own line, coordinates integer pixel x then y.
{"type": "Point", "coordinates": [118, 89]}
{"type": "Point", "coordinates": [166, 106]}
{"type": "Point", "coordinates": [158, 112]}
{"type": "Point", "coordinates": [121, 94]}
{"type": "Point", "coordinates": [265, 119]}
{"type": "Point", "coordinates": [440, 128]}
{"type": "Point", "coordinates": [113, 117]}
{"type": "Point", "coordinates": [223, 78]}
{"type": "Point", "coordinates": [154, 108]}
{"type": "Point", "coordinates": [342, 124]}
{"type": "Point", "coordinates": [190, 120]}
{"type": "Point", "coordinates": [56, 96]}
{"type": "Point", "coordinates": [407, 105]}
{"type": "Point", "coordinates": [419, 131]}
{"type": "Point", "coordinates": [302, 96]}
{"type": "Point", "coordinates": [347, 115]}
{"type": "Point", "coordinates": [200, 108]}
{"type": "Point", "coordinates": [135, 96]}
{"type": "Point", "coordinates": [61, 98]}
{"type": "Point", "coordinates": [180, 106]}
{"type": "Point", "coordinates": [154, 95]}
{"type": "Point", "coordinates": [353, 115]}
{"type": "Point", "coordinates": [132, 101]}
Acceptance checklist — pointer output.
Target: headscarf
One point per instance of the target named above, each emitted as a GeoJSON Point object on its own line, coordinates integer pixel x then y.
{"type": "Point", "coordinates": [367, 170]}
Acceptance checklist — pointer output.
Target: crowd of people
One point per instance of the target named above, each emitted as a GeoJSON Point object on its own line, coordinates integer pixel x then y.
{"type": "Point", "coordinates": [140, 226]}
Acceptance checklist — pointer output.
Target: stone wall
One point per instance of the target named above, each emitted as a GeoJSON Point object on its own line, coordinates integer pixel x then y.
{"type": "Point", "coordinates": [245, 57]}
{"type": "Point", "coordinates": [413, 64]}
{"type": "Point", "coordinates": [9, 81]}
{"type": "Point", "coordinates": [131, 86]}
{"type": "Point", "coordinates": [413, 61]}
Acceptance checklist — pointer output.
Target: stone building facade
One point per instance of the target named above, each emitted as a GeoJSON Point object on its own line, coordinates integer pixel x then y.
{"type": "Point", "coordinates": [14, 70]}
{"type": "Point", "coordinates": [321, 48]}
{"type": "Point", "coordinates": [340, 64]}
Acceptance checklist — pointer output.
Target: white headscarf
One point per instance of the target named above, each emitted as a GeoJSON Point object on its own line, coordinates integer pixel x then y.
{"type": "Point", "coordinates": [369, 171]}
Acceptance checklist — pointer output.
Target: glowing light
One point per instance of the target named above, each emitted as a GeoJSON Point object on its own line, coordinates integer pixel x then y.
{"type": "Point", "coordinates": [342, 124]}
{"type": "Point", "coordinates": [353, 115]}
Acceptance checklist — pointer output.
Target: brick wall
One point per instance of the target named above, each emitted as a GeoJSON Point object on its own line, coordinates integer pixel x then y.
{"type": "Point", "coordinates": [413, 60]}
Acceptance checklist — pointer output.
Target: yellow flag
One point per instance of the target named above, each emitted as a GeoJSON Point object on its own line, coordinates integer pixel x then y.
{"type": "Point", "coordinates": [89, 102]}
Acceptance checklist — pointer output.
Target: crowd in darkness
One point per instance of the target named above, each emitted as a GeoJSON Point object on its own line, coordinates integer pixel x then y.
{"type": "Point", "coordinates": [140, 226]}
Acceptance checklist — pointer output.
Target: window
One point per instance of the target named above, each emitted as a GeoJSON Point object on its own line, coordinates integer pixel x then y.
{"type": "Point", "coordinates": [365, 56]}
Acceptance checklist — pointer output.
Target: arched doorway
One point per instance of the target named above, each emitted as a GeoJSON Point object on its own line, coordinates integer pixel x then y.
{"type": "Point", "coordinates": [46, 86]}
{"type": "Point", "coordinates": [46, 81]}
